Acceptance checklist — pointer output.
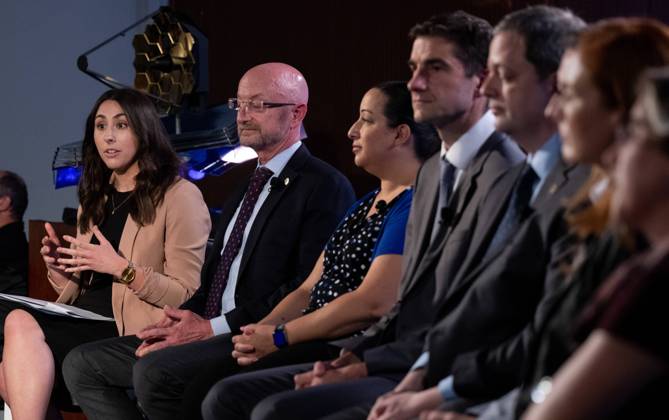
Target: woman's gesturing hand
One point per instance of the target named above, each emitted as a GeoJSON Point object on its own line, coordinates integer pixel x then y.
{"type": "Point", "coordinates": [50, 254]}
{"type": "Point", "coordinates": [100, 258]}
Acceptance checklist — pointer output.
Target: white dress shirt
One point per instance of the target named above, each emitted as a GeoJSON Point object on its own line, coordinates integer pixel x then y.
{"type": "Point", "coordinates": [219, 324]}
{"type": "Point", "coordinates": [462, 152]}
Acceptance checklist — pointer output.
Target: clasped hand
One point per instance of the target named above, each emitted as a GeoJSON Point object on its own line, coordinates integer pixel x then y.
{"type": "Point", "coordinates": [344, 368]}
{"type": "Point", "coordinates": [179, 326]}
{"type": "Point", "coordinates": [405, 404]}
{"type": "Point", "coordinates": [101, 258]}
{"type": "Point", "coordinates": [255, 341]}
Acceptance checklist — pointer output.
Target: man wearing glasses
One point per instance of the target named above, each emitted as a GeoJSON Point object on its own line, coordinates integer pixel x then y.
{"type": "Point", "coordinates": [269, 236]}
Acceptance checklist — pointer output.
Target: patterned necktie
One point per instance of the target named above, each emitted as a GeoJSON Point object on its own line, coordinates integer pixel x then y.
{"type": "Point", "coordinates": [234, 243]}
{"type": "Point", "coordinates": [445, 191]}
{"type": "Point", "coordinates": [516, 210]}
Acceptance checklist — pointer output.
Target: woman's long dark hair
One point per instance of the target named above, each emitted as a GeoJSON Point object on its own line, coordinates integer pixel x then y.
{"type": "Point", "coordinates": [157, 161]}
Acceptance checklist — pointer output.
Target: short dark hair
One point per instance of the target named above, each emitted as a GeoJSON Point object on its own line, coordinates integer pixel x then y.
{"type": "Point", "coordinates": [398, 110]}
{"type": "Point", "coordinates": [13, 186]}
{"type": "Point", "coordinates": [470, 34]}
{"type": "Point", "coordinates": [547, 32]}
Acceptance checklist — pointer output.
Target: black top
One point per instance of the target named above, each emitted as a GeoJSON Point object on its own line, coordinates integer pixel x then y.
{"type": "Point", "coordinates": [13, 259]}
{"type": "Point", "coordinates": [96, 288]}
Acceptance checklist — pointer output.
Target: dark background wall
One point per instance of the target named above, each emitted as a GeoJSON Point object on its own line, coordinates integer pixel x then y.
{"type": "Point", "coordinates": [343, 48]}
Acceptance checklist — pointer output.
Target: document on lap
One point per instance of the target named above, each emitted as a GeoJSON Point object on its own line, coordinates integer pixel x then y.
{"type": "Point", "coordinates": [55, 308]}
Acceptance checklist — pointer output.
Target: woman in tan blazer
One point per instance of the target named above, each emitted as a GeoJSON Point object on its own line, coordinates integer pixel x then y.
{"type": "Point", "coordinates": [140, 245]}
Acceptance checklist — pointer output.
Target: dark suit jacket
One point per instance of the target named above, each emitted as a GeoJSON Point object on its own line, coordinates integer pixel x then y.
{"type": "Point", "coordinates": [546, 342]}
{"type": "Point", "coordinates": [486, 219]}
{"type": "Point", "coordinates": [498, 298]}
{"type": "Point", "coordinates": [394, 345]}
{"type": "Point", "coordinates": [286, 238]}
{"type": "Point", "coordinates": [13, 259]}
{"type": "Point", "coordinates": [557, 330]}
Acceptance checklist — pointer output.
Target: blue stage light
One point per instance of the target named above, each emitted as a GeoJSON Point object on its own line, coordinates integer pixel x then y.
{"type": "Point", "coordinates": [64, 177]}
{"type": "Point", "coordinates": [195, 175]}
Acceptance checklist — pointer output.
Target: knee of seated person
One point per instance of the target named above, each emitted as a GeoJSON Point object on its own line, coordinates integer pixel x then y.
{"type": "Point", "coordinates": [217, 401]}
{"type": "Point", "coordinates": [74, 367]}
{"type": "Point", "coordinates": [149, 373]}
{"type": "Point", "coordinates": [20, 323]}
{"type": "Point", "coordinates": [270, 409]}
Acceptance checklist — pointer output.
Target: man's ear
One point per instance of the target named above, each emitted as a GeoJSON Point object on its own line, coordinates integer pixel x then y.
{"type": "Point", "coordinates": [299, 112]}
{"type": "Point", "coordinates": [481, 78]}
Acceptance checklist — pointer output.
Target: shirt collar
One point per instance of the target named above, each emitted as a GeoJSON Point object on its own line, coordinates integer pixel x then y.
{"type": "Point", "coordinates": [543, 160]}
{"type": "Point", "coordinates": [278, 162]}
{"type": "Point", "coordinates": [462, 152]}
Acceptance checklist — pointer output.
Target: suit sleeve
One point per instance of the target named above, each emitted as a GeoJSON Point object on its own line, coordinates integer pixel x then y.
{"type": "Point", "coordinates": [498, 305]}
{"type": "Point", "coordinates": [493, 371]}
{"type": "Point", "coordinates": [396, 356]}
{"type": "Point", "coordinates": [325, 205]}
{"type": "Point", "coordinates": [196, 303]}
{"type": "Point", "coordinates": [187, 228]}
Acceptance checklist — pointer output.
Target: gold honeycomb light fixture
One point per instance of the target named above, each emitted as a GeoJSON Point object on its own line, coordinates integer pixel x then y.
{"type": "Point", "coordinates": [164, 61]}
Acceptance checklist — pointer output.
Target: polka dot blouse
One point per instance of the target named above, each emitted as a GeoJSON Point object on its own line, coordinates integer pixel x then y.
{"type": "Point", "coordinates": [349, 252]}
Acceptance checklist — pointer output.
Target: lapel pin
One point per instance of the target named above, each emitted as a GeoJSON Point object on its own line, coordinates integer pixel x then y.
{"type": "Point", "coordinates": [275, 183]}
{"type": "Point", "coordinates": [553, 188]}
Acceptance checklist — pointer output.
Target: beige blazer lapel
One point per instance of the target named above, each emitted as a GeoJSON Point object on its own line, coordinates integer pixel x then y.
{"type": "Point", "coordinates": [128, 237]}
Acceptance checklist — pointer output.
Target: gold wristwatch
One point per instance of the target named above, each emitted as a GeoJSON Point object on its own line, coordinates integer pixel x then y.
{"type": "Point", "coordinates": [128, 275]}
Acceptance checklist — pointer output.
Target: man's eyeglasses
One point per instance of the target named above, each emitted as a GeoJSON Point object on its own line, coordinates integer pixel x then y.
{"type": "Point", "coordinates": [254, 105]}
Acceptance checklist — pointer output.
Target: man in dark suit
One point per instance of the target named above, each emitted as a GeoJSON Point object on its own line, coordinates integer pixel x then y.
{"type": "Point", "coordinates": [447, 61]}
{"type": "Point", "coordinates": [13, 244]}
{"type": "Point", "coordinates": [270, 234]}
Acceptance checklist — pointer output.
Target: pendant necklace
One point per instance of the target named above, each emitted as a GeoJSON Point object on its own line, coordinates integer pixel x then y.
{"type": "Point", "coordinates": [114, 206]}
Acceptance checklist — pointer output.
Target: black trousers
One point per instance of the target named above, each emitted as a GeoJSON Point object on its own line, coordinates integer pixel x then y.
{"type": "Point", "coordinates": [169, 383]}
{"type": "Point", "coordinates": [269, 395]}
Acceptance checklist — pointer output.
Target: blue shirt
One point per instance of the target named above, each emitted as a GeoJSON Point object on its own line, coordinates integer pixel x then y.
{"type": "Point", "coordinates": [543, 161]}
{"type": "Point", "coordinates": [391, 240]}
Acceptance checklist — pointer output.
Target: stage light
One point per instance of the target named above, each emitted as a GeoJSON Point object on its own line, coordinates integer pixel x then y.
{"type": "Point", "coordinates": [65, 177]}
{"type": "Point", "coordinates": [239, 154]}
